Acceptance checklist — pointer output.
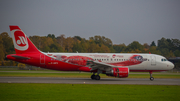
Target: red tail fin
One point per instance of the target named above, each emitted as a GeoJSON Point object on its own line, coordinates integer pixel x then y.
{"type": "Point", "coordinates": [22, 44]}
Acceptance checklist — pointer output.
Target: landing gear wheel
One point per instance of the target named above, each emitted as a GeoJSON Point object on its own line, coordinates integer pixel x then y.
{"type": "Point", "coordinates": [97, 77]}
{"type": "Point", "coordinates": [93, 77]}
{"type": "Point", "coordinates": [151, 78]}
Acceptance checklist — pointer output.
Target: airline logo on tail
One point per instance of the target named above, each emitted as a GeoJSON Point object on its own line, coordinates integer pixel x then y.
{"type": "Point", "coordinates": [20, 40]}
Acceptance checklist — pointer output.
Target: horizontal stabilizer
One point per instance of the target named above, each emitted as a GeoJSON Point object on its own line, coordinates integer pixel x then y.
{"type": "Point", "coordinates": [20, 57]}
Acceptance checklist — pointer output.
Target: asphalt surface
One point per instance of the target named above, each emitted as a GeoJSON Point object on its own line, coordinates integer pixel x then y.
{"type": "Point", "coordinates": [138, 81]}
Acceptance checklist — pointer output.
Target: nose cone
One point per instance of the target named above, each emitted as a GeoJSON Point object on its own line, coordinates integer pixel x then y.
{"type": "Point", "coordinates": [171, 65]}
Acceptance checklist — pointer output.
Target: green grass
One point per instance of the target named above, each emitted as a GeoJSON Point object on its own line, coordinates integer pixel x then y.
{"type": "Point", "coordinates": [87, 92]}
{"type": "Point", "coordinates": [81, 75]}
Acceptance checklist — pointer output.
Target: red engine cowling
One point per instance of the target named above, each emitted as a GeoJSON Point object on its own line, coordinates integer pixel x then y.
{"type": "Point", "coordinates": [119, 72]}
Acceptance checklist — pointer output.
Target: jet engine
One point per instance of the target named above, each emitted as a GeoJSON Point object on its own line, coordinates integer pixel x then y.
{"type": "Point", "coordinates": [118, 72]}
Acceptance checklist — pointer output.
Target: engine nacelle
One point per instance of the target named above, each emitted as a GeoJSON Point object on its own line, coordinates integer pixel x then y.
{"type": "Point", "coordinates": [119, 72]}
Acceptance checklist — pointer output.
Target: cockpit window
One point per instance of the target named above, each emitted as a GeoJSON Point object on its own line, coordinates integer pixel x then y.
{"type": "Point", "coordinates": [163, 59]}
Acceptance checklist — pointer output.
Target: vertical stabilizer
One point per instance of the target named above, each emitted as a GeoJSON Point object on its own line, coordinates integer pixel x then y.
{"type": "Point", "coordinates": [22, 44]}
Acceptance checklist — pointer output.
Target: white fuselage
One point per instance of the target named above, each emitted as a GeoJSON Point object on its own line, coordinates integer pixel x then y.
{"type": "Point", "coordinates": [148, 61]}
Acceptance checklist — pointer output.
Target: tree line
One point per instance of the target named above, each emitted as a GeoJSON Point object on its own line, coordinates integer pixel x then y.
{"type": "Point", "coordinates": [97, 44]}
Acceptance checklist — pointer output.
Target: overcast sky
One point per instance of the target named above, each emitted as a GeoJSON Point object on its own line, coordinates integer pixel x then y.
{"type": "Point", "coordinates": [123, 21]}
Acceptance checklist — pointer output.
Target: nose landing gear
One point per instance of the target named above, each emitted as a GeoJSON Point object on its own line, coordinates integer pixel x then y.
{"type": "Point", "coordinates": [151, 78]}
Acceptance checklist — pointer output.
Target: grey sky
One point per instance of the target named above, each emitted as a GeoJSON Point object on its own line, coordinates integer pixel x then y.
{"type": "Point", "coordinates": [123, 21]}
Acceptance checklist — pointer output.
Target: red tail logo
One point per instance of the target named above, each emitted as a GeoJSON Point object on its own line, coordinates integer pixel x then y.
{"type": "Point", "coordinates": [20, 39]}
{"type": "Point", "coordinates": [21, 42]}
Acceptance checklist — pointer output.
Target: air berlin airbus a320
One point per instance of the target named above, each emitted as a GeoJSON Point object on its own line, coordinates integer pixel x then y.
{"type": "Point", "coordinates": [111, 64]}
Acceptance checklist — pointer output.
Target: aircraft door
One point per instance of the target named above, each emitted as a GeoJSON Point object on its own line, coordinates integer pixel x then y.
{"type": "Point", "coordinates": [42, 59]}
{"type": "Point", "coordinates": [153, 60]}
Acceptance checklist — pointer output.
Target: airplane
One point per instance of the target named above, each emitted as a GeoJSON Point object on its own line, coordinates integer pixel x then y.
{"type": "Point", "coordinates": [112, 64]}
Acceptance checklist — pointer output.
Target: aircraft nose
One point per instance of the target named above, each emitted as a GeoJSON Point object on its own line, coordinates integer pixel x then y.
{"type": "Point", "coordinates": [171, 65]}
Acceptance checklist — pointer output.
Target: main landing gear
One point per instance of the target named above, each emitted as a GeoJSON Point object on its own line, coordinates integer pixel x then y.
{"type": "Point", "coordinates": [95, 77]}
{"type": "Point", "coordinates": [151, 78]}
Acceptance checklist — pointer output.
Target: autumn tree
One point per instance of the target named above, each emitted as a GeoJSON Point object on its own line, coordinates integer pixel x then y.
{"type": "Point", "coordinates": [85, 45]}
{"type": "Point", "coordinates": [61, 41]}
{"type": "Point", "coordinates": [69, 44]}
{"type": "Point", "coordinates": [2, 55]}
{"type": "Point", "coordinates": [51, 36]}
{"type": "Point", "coordinates": [119, 48]}
{"type": "Point", "coordinates": [169, 47]}
{"type": "Point", "coordinates": [146, 48]}
{"type": "Point", "coordinates": [153, 44]}
{"type": "Point", "coordinates": [77, 37]}
{"type": "Point", "coordinates": [175, 44]}
{"type": "Point", "coordinates": [7, 43]}
{"type": "Point", "coordinates": [177, 53]}
{"type": "Point", "coordinates": [37, 41]}
{"type": "Point", "coordinates": [163, 44]}
{"type": "Point", "coordinates": [93, 48]}
{"type": "Point", "coordinates": [104, 49]}
{"type": "Point", "coordinates": [102, 40]}
{"type": "Point", "coordinates": [134, 46]}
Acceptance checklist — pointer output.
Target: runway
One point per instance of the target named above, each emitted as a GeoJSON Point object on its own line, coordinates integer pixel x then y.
{"type": "Point", "coordinates": [137, 81]}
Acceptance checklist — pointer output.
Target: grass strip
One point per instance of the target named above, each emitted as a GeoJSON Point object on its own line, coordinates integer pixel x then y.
{"type": "Point", "coordinates": [82, 75]}
{"type": "Point", "coordinates": [87, 92]}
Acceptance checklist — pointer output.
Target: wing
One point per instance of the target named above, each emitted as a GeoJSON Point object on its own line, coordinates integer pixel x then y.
{"type": "Point", "coordinates": [99, 65]}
